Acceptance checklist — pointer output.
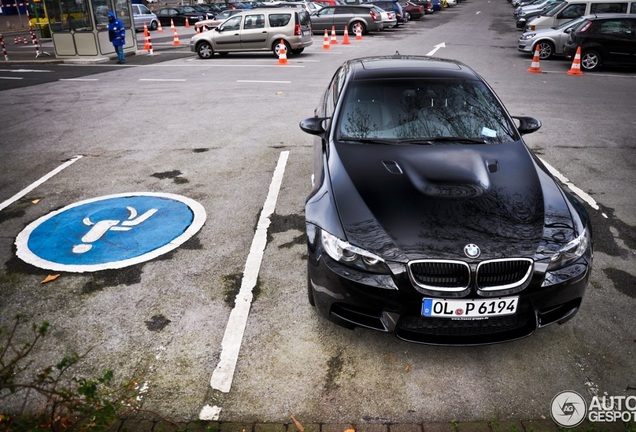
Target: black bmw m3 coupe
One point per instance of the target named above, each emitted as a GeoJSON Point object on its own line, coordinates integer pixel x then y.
{"type": "Point", "coordinates": [429, 216]}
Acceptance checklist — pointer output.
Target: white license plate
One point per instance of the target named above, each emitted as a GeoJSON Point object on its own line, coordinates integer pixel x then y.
{"type": "Point", "coordinates": [467, 308]}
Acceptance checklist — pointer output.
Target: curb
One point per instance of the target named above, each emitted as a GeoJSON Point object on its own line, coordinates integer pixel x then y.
{"type": "Point", "coordinates": [542, 425]}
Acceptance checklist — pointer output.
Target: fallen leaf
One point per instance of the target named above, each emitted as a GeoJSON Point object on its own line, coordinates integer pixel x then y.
{"type": "Point", "coordinates": [407, 368]}
{"type": "Point", "coordinates": [298, 425]}
{"type": "Point", "coordinates": [35, 201]}
{"type": "Point", "coordinates": [50, 278]}
{"type": "Point", "coordinates": [350, 430]}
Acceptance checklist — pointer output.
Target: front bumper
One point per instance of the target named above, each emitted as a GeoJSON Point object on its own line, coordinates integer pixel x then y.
{"type": "Point", "coordinates": [393, 305]}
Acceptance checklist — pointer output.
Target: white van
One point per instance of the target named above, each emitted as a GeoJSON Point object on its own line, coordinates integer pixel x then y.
{"type": "Point", "coordinates": [572, 9]}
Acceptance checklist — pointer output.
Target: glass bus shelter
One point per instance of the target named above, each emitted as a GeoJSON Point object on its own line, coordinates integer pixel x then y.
{"type": "Point", "coordinates": [79, 28]}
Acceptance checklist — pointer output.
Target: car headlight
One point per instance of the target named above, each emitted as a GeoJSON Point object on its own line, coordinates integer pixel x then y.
{"type": "Point", "coordinates": [352, 256]}
{"type": "Point", "coordinates": [571, 251]}
{"type": "Point", "coordinates": [527, 36]}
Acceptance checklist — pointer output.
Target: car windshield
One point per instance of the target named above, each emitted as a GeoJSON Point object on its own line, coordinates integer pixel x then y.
{"type": "Point", "coordinates": [426, 110]}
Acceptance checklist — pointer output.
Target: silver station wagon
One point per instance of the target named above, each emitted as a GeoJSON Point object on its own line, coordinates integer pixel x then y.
{"type": "Point", "coordinates": [263, 29]}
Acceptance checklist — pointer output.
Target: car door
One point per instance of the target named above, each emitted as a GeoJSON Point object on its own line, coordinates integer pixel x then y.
{"type": "Point", "coordinates": [615, 36]}
{"type": "Point", "coordinates": [254, 33]}
{"type": "Point", "coordinates": [323, 19]}
{"type": "Point", "coordinates": [342, 16]}
{"type": "Point", "coordinates": [227, 36]}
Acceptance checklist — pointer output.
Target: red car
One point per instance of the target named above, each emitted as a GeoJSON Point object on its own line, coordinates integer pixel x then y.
{"type": "Point", "coordinates": [413, 10]}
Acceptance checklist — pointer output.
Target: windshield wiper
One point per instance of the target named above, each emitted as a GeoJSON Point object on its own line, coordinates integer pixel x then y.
{"type": "Point", "coordinates": [369, 140]}
{"type": "Point", "coordinates": [443, 139]}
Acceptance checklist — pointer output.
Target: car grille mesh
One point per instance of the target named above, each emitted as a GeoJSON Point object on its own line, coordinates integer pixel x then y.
{"type": "Point", "coordinates": [445, 275]}
{"type": "Point", "coordinates": [502, 274]}
{"type": "Point", "coordinates": [449, 276]}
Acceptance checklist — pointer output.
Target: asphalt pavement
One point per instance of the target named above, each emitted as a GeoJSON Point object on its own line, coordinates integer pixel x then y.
{"type": "Point", "coordinates": [17, 52]}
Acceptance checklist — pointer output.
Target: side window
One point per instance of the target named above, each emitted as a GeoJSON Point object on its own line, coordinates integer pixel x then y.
{"type": "Point", "coordinates": [231, 24]}
{"type": "Point", "coordinates": [573, 11]}
{"type": "Point", "coordinates": [143, 10]}
{"type": "Point", "coordinates": [608, 8]}
{"type": "Point", "coordinates": [279, 20]}
{"type": "Point", "coordinates": [633, 8]}
{"type": "Point", "coordinates": [327, 11]}
{"type": "Point", "coordinates": [304, 18]}
{"type": "Point", "coordinates": [254, 21]}
{"type": "Point", "coordinates": [615, 28]}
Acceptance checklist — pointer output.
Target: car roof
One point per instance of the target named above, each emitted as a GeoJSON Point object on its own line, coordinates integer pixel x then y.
{"type": "Point", "coordinates": [378, 67]}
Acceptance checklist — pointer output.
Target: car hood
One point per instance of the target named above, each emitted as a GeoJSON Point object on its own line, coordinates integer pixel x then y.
{"type": "Point", "coordinates": [407, 202]}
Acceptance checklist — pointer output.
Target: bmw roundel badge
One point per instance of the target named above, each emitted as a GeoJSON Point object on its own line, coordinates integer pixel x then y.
{"type": "Point", "coordinates": [472, 250]}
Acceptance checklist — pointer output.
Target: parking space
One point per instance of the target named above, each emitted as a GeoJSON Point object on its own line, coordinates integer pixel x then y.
{"type": "Point", "coordinates": [214, 131]}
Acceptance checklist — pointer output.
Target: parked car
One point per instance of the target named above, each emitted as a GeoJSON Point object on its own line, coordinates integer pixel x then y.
{"type": "Point", "coordinates": [572, 9]}
{"type": "Point", "coordinates": [346, 16]}
{"type": "Point", "coordinates": [522, 20]}
{"type": "Point", "coordinates": [205, 10]}
{"type": "Point", "coordinates": [549, 41]}
{"type": "Point", "coordinates": [532, 7]}
{"type": "Point", "coordinates": [178, 15]}
{"type": "Point", "coordinates": [605, 40]}
{"type": "Point", "coordinates": [413, 10]}
{"type": "Point", "coordinates": [437, 5]}
{"type": "Point", "coordinates": [210, 24]}
{"type": "Point", "coordinates": [142, 15]}
{"type": "Point", "coordinates": [388, 18]}
{"type": "Point", "coordinates": [429, 216]}
{"type": "Point", "coordinates": [427, 6]}
{"type": "Point", "coordinates": [259, 29]}
{"type": "Point", "coordinates": [393, 6]}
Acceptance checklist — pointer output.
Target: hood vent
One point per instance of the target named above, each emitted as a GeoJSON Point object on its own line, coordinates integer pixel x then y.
{"type": "Point", "coordinates": [393, 167]}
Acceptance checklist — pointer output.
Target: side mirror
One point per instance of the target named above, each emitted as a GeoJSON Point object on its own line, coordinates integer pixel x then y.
{"type": "Point", "coordinates": [313, 125]}
{"type": "Point", "coordinates": [527, 124]}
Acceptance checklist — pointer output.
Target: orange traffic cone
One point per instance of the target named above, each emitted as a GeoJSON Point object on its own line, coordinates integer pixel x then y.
{"type": "Point", "coordinates": [325, 43]}
{"type": "Point", "coordinates": [334, 41]}
{"type": "Point", "coordinates": [197, 29]}
{"type": "Point", "coordinates": [282, 53]}
{"type": "Point", "coordinates": [345, 38]}
{"type": "Point", "coordinates": [172, 27]}
{"type": "Point", "coordinates": [159, 28]}
{"type": "Point", "coordinates": [146, 36]}
{"type": "Point", "coordinates": [175, 39]}
{"type": "Point", "coordinates": [534, 67]}
{"type": "Point", "coordinates": [358, 32]}
{"type": "Point", "coordinates": [187, 24]}
{"type": "Point", "coordinates": [576, 64]}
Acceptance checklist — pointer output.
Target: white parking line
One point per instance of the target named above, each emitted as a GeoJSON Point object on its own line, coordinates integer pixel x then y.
{"type": "Point", "coordinates": [263, 82]}
{"type": "Point", "coordinates": [576, 190]}
{"type": "Point", "coordinates": [224, 373]}
{"type": "Point", "coordinates": [11, 78]}
{"type": "Point", "coordinates": [29, 188]}
{"type": "Point", "coordinates": [163, 79]}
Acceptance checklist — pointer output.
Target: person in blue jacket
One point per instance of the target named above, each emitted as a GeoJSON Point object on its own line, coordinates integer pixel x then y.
{"type": "Point", "coordinates": [117, 35]}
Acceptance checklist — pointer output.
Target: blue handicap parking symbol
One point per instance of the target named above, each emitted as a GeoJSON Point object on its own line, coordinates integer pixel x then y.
{"type": "Point", "coordinates": [109, 232]}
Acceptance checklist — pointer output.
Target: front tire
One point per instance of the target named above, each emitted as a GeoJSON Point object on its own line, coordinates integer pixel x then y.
{"type": "Point", "coordinates": [205, 50]}
{"type": "Point", "coordinates": [154, 25]}
{"type": "Point", "coordinates": [546, 50]}
{"type": "Point", "coordinates": [590, 60]}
